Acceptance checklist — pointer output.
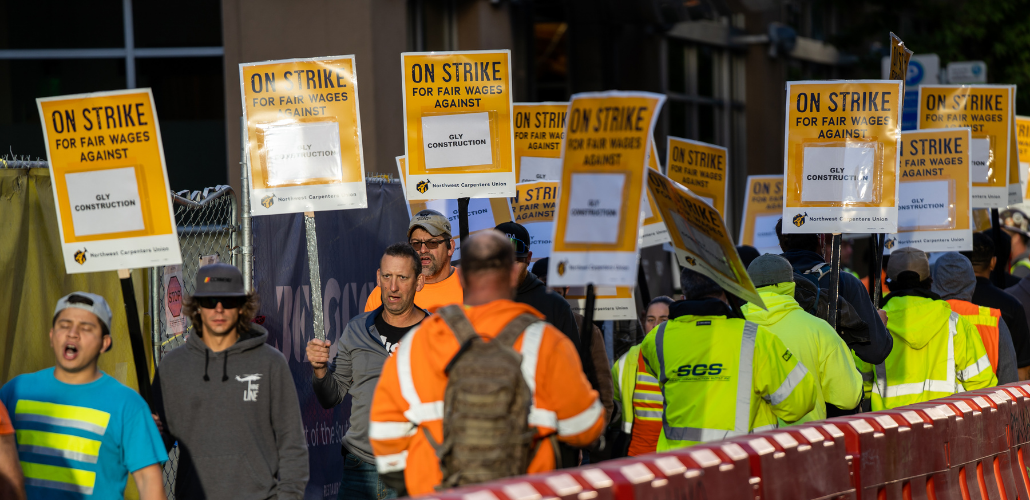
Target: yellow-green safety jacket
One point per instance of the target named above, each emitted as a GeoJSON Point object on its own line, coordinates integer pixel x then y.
{"type": "Point", "coordinates": [936, 353]}
{"type": "Point", "coordinates": [637, 391]}
{"type": "Point", "coordinates": [722, 377]}
{"type": "Point", "coordinates": [823, 352]}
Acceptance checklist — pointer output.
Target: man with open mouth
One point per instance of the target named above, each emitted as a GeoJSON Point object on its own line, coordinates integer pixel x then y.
{"type": "Point", "coordinates": [80, 432]}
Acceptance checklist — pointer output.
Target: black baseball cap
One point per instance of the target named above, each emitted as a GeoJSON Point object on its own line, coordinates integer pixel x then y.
{"type": "Point", "coordinates": [219, 280]}
{"type": "Point", "coordinates": [518, 236]}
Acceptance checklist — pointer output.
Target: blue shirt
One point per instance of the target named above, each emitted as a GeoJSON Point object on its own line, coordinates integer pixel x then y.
{"type": "Point", "coordinates": [80, 441]}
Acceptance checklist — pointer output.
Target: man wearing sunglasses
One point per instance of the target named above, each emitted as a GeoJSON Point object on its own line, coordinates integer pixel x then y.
{"type": "Point", "coordinates": [429, 233]}
{"type": "Point", "coordinates": [229, 400]}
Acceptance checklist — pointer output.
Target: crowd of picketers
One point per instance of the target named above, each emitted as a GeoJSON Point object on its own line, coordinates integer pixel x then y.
{"type": "Point", "coordinates": [469, 373]}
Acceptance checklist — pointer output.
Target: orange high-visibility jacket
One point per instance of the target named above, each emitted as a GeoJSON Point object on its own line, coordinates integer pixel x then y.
{"type": "Point", "coordinates": [409, 398]}
{"type": "Point", "coordinates": [986, 321]}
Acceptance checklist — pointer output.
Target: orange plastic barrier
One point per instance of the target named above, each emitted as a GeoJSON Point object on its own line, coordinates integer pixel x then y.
{"type": "Point", "coordinates": [970, 446]}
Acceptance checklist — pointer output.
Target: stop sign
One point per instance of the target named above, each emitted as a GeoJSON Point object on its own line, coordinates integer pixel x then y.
{"type": "Point", "coordinates": [174, 296]}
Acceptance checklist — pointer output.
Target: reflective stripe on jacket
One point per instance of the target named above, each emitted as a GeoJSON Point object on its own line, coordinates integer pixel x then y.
{"type": "Point", "coordinates": [642, 402]}
{"type": "Point", "coordinates": [408, 401]}
{"type": "Point", "coordinates": [936, 353]}
{"type": "Point", "coordinates": [822, 351]}
{"type": "Point", "coordinates": [985, 319]}
{"type": "Point", "coordinates": [723, 377]}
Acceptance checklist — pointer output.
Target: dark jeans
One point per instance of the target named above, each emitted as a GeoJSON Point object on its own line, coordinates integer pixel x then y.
{"type": "Point", "coordinates": [361, 481]}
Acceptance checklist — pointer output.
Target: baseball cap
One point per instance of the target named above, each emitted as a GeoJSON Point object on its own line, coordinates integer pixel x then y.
{"type": "Point", "coordinates": [431, 221]}
{"type": "Point", "coordinates": [87, 302]}
{"type": "Point", "coordinates": [908, 259]}
{"type": "Point", "coordinates": [770, 269]}
{"type": "Point", "coordinates": [219, 280]}
{"type": "Point", "coordinates": [518, 236]}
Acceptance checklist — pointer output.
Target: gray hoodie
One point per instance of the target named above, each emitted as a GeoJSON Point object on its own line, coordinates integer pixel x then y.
{"type": "Point", "coordinates": [236, 418]}
{"type": "Point", "coordinates": [360, 355]}
{"type": "Point", "coordinates": [953, 278]}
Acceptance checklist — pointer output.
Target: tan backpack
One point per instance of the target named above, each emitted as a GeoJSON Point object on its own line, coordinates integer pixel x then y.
{"type": "Point", "coordinates": [486, 432]}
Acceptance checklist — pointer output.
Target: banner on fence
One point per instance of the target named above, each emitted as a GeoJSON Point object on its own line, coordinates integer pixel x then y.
{"type": "Point", "coordinates": [539, 130]}
{"type": "Point", "coordinates": [763, 207]}
{"type": "Point", "coordinates": [348, 273]}
{"type": "Point", "coordinates": [114, 206]}
{"type": "Point", "coordinates": [840, 156]}
{"type": "Point", "coordinates": [987, 111]}
{"type": "Point", "coordinates": [458, 131]}
{"type": "Point", "coordinates": [303, 135]}
{"type": "Point", "coordinates": [934, 212]}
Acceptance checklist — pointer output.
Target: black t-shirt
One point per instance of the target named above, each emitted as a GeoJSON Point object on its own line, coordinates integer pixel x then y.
{"type": "Point", "coordinates": [391, 335]}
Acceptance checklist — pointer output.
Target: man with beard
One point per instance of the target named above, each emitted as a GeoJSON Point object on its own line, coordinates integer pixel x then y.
{"type": "Point", "coordinates": [429, 233]}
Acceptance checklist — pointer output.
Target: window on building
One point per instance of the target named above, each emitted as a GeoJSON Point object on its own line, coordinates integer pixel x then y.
{"type": "Point", "coordinates": [176, 50]}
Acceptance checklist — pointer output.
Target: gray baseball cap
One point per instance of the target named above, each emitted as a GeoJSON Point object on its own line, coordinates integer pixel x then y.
{"type": "Point", "coordinates": [87, 302]}
{"type": "Point", "coordinates": [770, 269]}
{"type": "Point", "coordinates": [431, 221]}
{"type": "Point", "coordinates": [219, 280]}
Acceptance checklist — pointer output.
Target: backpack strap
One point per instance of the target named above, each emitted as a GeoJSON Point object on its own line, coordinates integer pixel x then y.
{"type": "Point", "coordinates": [459, 324]}
{"type": "Point", "coordinates": [510, 333]}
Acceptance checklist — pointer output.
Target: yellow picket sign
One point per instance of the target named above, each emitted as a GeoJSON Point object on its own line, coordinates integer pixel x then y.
{"type": "Point", "coordinates": [934, 212]}
{"type": "Point", "coordinates": [303, 135]}
{"type": "Point", "coordinates": [987, 110]}
{"type": "Point", "coordinates": [700, 238]}
{"type": "Point", "coordinates": [1023, 146]}
{"type": "Point", "coordinates": [458, 132]}
{"type": "Point", "coordinates": [604, 157]}
{"type": "Point", "coordinates": [533, 207]}
{"type": "Point", "coordinates": [484, 213]}
{"type": "Point", "coordinates": [652, 230]}
{"type": "Point", "coordinates": [1016, 177]}
{"type": "Point", "coordinates": [900, 57]}
{"type": "Point", "coordinates": [702, 168]}
{"type": "Point", "coordinates": [763, 207]}
{"type": "Point", "coordinates": [114, 207]}
{"type": "Point", "coordinates": [841, 156]}
{"type": "Point", "coordinates": [614, 303]}
{"type": "Point", "coordinates": [539, 130]}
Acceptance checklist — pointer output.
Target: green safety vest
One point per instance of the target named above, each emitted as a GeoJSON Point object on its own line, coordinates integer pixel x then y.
{"type": "Point", "coordinates": [723, 377]}
{"type": "Point", "coordinates": [1019, 263]}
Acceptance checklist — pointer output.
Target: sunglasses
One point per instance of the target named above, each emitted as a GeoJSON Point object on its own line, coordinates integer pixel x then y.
{"type": "Point", "coordinates": [520, 246]}
{"type": "Point", "coordinates": [430, 244]}
{"type": "Point", "coordinates": [227, 302]}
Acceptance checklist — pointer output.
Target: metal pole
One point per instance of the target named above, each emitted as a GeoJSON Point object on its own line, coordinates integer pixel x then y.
{"type": "Point", "coordinates": [875, 280]}
{"type": "Point", "coordinates": [155, 309]}
{"type": "Point", "coordinates": [463, 219]}
{"type": "Point", "coordinates": [645, 292]}
{"type": "Point", "coordinates": [586, 337]}
{"type": "Point", "coordinates": [834, 280]}
{"type": "Point", "coordinates": [313, 274]}
{"type": "Point", "coordinates": [139, 353]}
{"type": "Point", "coordinates": [247, 267]}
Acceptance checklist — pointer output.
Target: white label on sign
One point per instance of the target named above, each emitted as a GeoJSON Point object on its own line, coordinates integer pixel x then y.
{"type": "Point", "coordinates": [979, 157]}
{"type": "Point", "coordinates": [540, 234]}
{"type": "Point", "coordinates": [923, 203]}
{"type": "Point", "coordinates": [595, 208]}
{"type": "Point", "coordinates": [104, 201]}
{"type": "Point", "coordinates": [481, 214]}
{"type": "Point", "coordinates": [532, 169]}
{"type": "Point", "coordinates": [765, 231]}
{"type": "Point", "coordinates": [459, 140]}
{"type": "Point", "coordinates": [700, 244]}
{"type": "Point", "coordinates": [303, 152]}
{"type": "Point", "coordinates": [838, 174]}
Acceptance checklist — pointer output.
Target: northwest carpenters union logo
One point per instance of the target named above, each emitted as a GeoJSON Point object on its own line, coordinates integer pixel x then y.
{"type": "Point", "coordinates": [890, 243]}
{"type": "Point", "coordinates": [422, 186]}
{"type": "Point", "coordinates": [690, 260]}
{"type": "Point", "coordinates": [80, 256]}
{"type": "Point", "coordinates": [267, 201]}
{"type": "Point", "coordinates": [799, 219]}
{"type": "Point", "coordinates": [561, 267]}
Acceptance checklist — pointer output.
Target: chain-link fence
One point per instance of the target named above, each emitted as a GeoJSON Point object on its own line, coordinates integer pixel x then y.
{"type": "Point", "coordinates": [208, 225]}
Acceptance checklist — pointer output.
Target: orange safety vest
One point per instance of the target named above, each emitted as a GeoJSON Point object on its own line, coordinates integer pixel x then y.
{"type": "Point", "coordinates": [986, 321]}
